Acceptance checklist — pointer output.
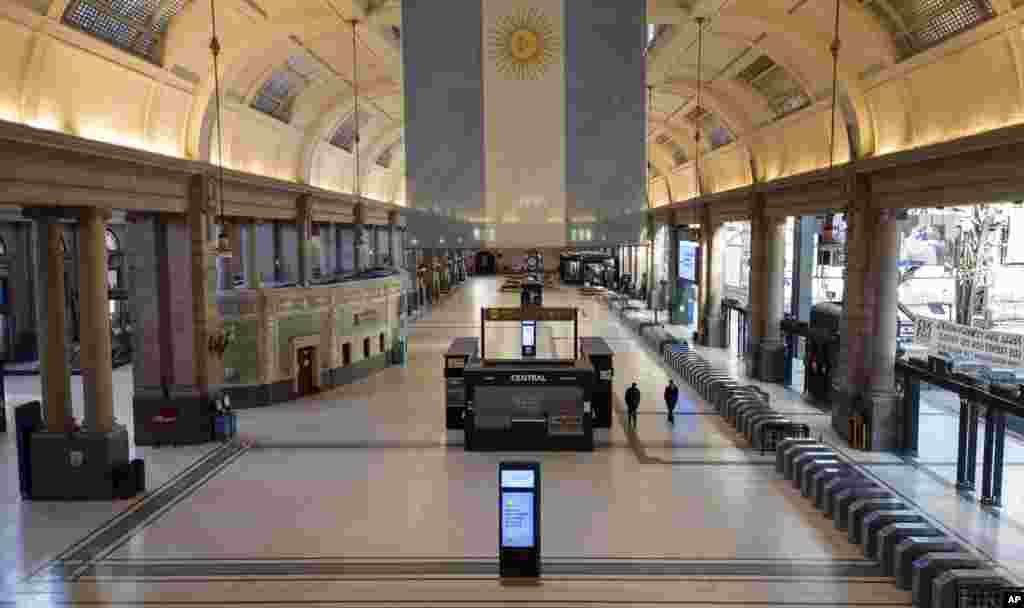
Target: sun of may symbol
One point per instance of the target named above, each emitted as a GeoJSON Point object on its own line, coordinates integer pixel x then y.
{"type": "Point", "coordinates": [524, 45]}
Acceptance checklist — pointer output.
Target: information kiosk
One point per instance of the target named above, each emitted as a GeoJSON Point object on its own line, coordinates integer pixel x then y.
{"type": "Point", "coordinates": [519, 519]}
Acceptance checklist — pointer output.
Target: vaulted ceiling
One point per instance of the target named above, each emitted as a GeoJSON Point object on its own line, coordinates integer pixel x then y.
{"type": "Point", "coordinates": [763, 62]}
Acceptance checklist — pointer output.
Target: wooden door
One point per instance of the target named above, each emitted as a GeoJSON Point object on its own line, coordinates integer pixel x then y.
{"type": "Point", "coordinates": [306, 370]}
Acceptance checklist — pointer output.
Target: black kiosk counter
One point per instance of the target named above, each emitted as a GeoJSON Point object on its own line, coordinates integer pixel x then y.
{"type": "Point", "coordinates": [528, 403]}
{"type": "Point", "coordinates": [528, 407]}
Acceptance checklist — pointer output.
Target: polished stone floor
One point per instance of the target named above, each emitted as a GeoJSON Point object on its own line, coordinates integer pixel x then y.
{"type": "Point", "coordinates": [359, 496]}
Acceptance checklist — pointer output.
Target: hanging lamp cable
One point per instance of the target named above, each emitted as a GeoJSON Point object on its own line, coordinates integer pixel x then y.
{"type": "Point", "coordinates": [357, 183]}
{"type": "Point", "coordinates": [834, 49]}
{"type": "Point", "coordinates": [215, 51]}
{"type": "Point", "coordinates": [700, 110]}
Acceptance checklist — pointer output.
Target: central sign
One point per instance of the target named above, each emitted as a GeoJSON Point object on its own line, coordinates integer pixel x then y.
{"type": "Point", "coordinates": [529, 313]}
{"type": "Point", "coordinates": [528, 378]}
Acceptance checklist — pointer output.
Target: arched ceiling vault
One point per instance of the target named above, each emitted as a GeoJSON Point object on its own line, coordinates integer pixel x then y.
{"type": "Point", "coordinates": [260, 37]}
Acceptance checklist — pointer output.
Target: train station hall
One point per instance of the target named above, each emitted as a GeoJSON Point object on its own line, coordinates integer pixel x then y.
{"type": "Point", "coordinates": [450, 303]}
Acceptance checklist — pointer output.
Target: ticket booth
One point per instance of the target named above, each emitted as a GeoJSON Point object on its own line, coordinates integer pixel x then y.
{"type": "Point", "coordinates": [460, 353]}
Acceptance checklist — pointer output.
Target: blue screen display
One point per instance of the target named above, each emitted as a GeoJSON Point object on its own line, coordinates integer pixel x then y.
{"type": "Point", "coordinates": [517, 520]}
{"type": "Point", "coordinates": [688, 253]}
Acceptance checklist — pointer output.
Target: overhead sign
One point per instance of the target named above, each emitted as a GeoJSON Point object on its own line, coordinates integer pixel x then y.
{"type": "Point", "coordinates": [994, 348]}
{"type": "Point", "coordinates": [530, 313]}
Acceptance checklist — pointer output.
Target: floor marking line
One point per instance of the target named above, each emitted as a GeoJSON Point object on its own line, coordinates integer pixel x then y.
{"type": "Point", "coordinates": [61, 557]}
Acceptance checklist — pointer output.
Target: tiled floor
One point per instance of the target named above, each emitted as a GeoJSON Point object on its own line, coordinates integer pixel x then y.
{"type": "Point", "coordinates": [359, 496]}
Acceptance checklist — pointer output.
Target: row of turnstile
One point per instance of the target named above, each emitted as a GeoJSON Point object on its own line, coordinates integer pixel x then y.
{"type": "Point", "coordinates": [921, 557]}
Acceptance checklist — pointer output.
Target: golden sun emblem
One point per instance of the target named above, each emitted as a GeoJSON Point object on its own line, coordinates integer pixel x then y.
{"type": "Point", "coordinates": [524, 45]}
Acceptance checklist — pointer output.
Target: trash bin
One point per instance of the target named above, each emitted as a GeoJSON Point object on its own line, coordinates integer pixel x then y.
{"type": "Point", "coordinates": [28, 419]}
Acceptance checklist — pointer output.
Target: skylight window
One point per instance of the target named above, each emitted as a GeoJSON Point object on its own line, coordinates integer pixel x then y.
{"type": "Point", "coordinates": [675, 148]}
{"type": "Point", "coordinates": [920, 24]}
{"type": "Point", "coordinates": [276, 96]}
{"type": "Point", "coordinates": [135, 26]}
{"type": "Point", "coordinates": [345, 136]}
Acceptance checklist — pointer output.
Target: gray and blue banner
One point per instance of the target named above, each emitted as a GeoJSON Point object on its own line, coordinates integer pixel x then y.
{"type": "Point", "coordinates": [527, 115]}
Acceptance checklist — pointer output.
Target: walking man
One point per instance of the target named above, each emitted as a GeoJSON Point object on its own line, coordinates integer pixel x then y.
{"type": "Point", "coordinates": [632, 405]}
{"type": "Point", "coordinates": [671, 396]}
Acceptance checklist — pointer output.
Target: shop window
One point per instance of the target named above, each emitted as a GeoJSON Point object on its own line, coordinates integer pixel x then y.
{"type": "Point", "coordinates": [381, 342]}
{"type": "Point", "coordinates": [366, 348]}
{"type": "Point", "coordinates": [346, 354]}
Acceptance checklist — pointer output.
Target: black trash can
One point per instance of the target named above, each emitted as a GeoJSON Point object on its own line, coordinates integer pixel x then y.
{"type": "Point", "coordinates": [123, 481]}
{"type": "Point", "coordinates": [139, 475]}
{"type": "Point", "coordinates": [28, 419]}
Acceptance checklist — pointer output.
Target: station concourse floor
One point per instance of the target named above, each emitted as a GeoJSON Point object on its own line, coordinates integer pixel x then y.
{"type": "Point", "coordinates": [359, 496]}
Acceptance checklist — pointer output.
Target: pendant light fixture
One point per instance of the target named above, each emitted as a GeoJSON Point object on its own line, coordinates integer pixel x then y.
{"type": "Point", "coordinates": [223, 243]}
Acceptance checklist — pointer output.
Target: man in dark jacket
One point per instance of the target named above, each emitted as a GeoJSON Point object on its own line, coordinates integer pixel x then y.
{"type": "Point", "coordinates": [671, 396]}
{"type": "Point", "coordinates": [632, 405]}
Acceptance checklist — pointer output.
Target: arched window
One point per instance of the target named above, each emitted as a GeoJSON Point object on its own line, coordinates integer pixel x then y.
{"type": "Point", "coordinates": [112, 243]}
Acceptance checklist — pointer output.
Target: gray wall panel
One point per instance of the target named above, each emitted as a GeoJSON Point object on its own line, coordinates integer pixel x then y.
{"type": "Point", "coordinates": [606, 107]}
{"type": "Point", "coordinates": [441, 52]}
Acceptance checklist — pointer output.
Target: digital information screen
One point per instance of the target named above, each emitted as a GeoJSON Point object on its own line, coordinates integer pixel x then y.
{"type": "Point", "coordinates": [517, 514]}
{"type": "Point", "coordinates": [529, 334]}
{"type": "Point", "coordinates": [689, 251]}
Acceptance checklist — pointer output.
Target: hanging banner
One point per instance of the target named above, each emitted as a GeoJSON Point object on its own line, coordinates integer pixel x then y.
{"type": "Point", "coordinates": [993, 348]}
{"type": "Point", "coordinates": [524, 121]}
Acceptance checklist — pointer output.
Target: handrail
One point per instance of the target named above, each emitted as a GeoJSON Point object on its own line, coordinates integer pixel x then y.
{"type": "Point", "coordinates": [970, 392]}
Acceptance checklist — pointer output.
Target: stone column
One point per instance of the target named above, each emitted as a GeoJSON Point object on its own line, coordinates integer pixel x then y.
{"type": "Point", "coordinates": [252, 266]}
{"type": "Point", "coordinates": [672, 291]}
{"type": "Point", "coordinates": [278, 255]}
{"type": "Point", "coordinates": [396, 254]}
{"type": "Point", "coordinates": [304, 231]}
{"type": "Point", "coordinates": [52, 326]}
{"type": "Point", "coordinates": [714, 261]}
{"type": "Point", "coordinates": [768, 250]}
{"type": "Point", "coordinates": [362, 249]}
{"type": "Point", "coordinates": [848, 377]}
{"type": "Point", "coordinates": [235, 264]}
{"type": "Point", "coordinates": [885, 412]}
{"type": "Point", "coordinates": [97, 372]}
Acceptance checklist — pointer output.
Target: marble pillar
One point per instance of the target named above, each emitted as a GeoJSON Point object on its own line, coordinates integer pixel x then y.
{"type": "Point", "coordinates": [714, 262]}
{"type": "Point", "coordinates": [252, 265]}
{"type": "Point", "coordinates": [304, 232]}
{"type": "Point", "coordinates": [52, 326]}
{"type": "Point", "coordinates": [362, 248]}
{"type": "Point", "coordinates": [97, 372]}
{"type": "Point", "coordinates": [884, 410]}
{"type": "Point", "coordinates": [767, 282]}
